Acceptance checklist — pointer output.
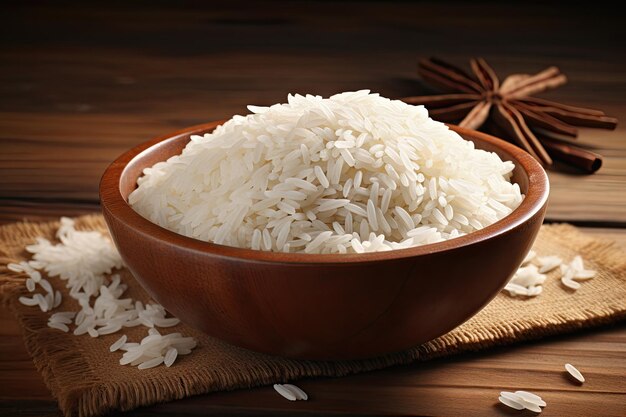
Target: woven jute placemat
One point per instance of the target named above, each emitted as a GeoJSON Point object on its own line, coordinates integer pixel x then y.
{"type": "Point", "coordinates": [87, 380]}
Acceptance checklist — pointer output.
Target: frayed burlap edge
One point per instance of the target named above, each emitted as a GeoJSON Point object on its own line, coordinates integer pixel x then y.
{"type": "Point", "coordinates": [58, 365]}
{"type": "Point", "coordinates": [81, 391]}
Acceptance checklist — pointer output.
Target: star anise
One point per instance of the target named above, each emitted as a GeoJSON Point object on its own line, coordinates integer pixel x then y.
{"type": "Point", "coordinates": [531, 123]}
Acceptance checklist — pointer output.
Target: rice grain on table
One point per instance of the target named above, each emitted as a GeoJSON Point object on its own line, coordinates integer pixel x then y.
{"type": "Point", "coordinates": [521, 400]}
{"type": "Point", "coordinates": [528, 279]}
{"type": "Point", "coordinates": [291, 392]}
{"type": "Point", "coordinates": [84, 260]}
{"type": "Point", "coordinates": [61, 318]}
{"type": "Point", "coordinates": [297, 391]}
{"type": "Point", "coordinates": [59, 326]}
{"type": "Point", "coordinates": [548, 263]}
{"type": "Point", "coordinates": [531, 398]}
{"type": "Point", "coordinates": [58, 298]}
{"type": "Point", "coordinates": [379, 168]}
{"type": "Point", "coordinates": [285, 392]}
{"type": "Point", "coordinates": [151, 363]}
{"type": "Point", "coordinates": [511, 403]}
{"type": "Point", "coordinates": [571, 369]}
{"type": "Point", "coordinates": [170, 357]}
{"type": "Point", "coordinates": [28, 301]}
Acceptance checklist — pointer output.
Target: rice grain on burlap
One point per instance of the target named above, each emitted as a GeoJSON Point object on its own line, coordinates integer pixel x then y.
{"type": "Point", "coordinates": [87, 380]}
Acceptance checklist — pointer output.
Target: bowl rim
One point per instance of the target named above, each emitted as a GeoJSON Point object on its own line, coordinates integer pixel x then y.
{"type": "Point", "coordinates": [115, 205]}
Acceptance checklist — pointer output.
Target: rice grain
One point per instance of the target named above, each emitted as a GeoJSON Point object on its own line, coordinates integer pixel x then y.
{"type": "Point", "coordinates": [285, 392]}
{"type": "Point", "coordinates": [575, 373]}
{"type": "Point", "coordinates": [297, 391]}
{"type": "Point", "coordinates": [511, 403]}
{"type": "Point", "coordinates": [355, 159]}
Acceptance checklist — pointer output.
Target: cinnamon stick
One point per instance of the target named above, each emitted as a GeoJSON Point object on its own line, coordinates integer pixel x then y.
{"type": "Point", "coordinates": [586, 161]}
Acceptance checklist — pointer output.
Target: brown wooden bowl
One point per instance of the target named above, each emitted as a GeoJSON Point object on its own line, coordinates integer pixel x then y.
{"type": "Point", "coordinates": [321, 306]}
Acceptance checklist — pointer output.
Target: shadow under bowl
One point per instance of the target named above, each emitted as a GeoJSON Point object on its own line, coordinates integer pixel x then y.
{"type": "Point", "coordinates": [321, 306]}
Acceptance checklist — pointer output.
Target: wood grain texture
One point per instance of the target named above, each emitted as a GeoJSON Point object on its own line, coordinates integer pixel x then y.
{"type": "Point", "coordinates": [462, 385]}
{"type": "Point", "coordinates": [83, 82]}
{"type": "Point", "coordinates": [616, 234]}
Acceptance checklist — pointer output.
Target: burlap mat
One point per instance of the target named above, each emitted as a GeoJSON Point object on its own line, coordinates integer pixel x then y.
{"type": "Point", "coordinates": [87, 380]}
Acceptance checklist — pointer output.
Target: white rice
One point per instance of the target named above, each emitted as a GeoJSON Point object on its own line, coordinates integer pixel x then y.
{"type": "Point", "coordinates": [170, 356]}
{"type": "Point", "coordinates": [151, 363]}
{"type": "Point", "coordinates": [291, 392]}
{"type": "Point", "coordinates": [380, 168]}
{"type": "Point", "coordinates": [284, 392]}
{"type": "Point", "coordinates": [570, 283]}
{"type": "Point", "coordinates": [528, 279]}
{"type": "Point", "coordinates": [575, 271]}
{"type": "Point", "coordinates": [521, 400]}
{"type": "Point", "coordinates": [156, 349]}
{"type": "Point", "coordinates": [84, 260]}
{"type": "Point", "coordinates": [64, 317]}
{"type": "Point", "coordinates": [46, 286]}
{"type": "Point", "coordinates": [548, 263]}
{"type": "Point", "coordinates": [59, 326]}
{"type": "Point", "coordinates": [28, 301]}
{"type": "Point", "coordinates": [58, 298]}
{"type": "Point", "coordinates": [531, 398]}
{"type": "Point", "coordinates": [571, 369]}
{"type": "Point", "coordinates": [299, 393]}
{"type": "Point", "coordinates": [42, 302]}
{"type": "Point", "coordinates": [81, 258]}
{"type": "Point", "coordinates": [511, 403]}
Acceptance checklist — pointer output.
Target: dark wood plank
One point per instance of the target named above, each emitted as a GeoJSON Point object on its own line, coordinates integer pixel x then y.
{"type": "Point", "coordinates": [81, 84]}
{"type": "Point", "coordinates": [43, 209]}
{"type": "Point", "coordinates": [467, 384]}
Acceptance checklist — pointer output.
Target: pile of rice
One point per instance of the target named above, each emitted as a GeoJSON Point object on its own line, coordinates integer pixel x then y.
{"type": "Point", "coordinates": [85, 260]}
{"type": "Point", "coordinates": [530, 276]}
{"type": "Point", "coordinates": [352, 173]}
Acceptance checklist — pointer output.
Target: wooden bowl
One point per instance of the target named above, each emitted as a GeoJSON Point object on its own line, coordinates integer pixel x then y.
{"type": "Point", "coordinates": [321, 306]}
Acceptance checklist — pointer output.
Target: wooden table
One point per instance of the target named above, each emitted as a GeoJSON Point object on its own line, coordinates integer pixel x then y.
{"type": "Point", "coordinates": [82, 82]}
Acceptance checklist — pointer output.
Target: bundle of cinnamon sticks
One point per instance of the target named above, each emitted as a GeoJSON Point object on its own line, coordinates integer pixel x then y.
{"type": "Point", "coordinates": [507, 109]}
